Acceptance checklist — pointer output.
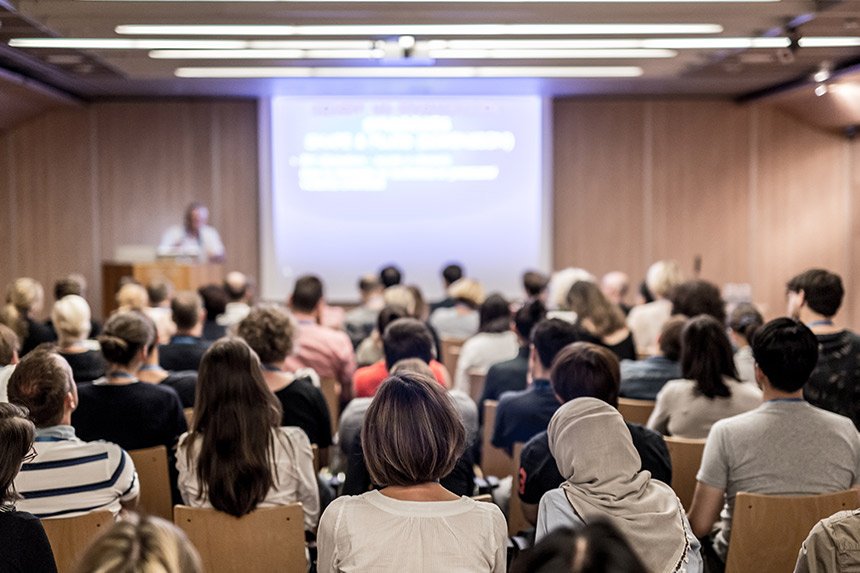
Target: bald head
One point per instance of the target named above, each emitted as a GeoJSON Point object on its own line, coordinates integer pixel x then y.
{"type": "Point", "coordinates": [236, 285]}
{"type": "Point", "coordinates": [615, 285]}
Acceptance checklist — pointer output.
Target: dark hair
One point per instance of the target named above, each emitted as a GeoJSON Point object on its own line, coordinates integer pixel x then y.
{"type": "Point", "coordinates": [186, 307]}
{"type": "Point", "coordinates": [670, 337]}
{"type": "Point", "coordinates": [235, 414]}
{"type": "Point", "coordinates": [534, 282]}
{"type": "Point", "coordinates": [40, 383]}
{"type": "Point", "coordinates": [307, 293]}
{"type": "Point", "coordinates": [550, 335]}
{"type": "Point", "coordinates": [411, 433]}
{"type": "Point", "coordinates": [495, 314]}
{"type": "Point", "coordinates": [269, 331]}
{"type": "Point", "coordinates": [214, 300]}
{"type": "Point", "coordinates": [158, 291]}
{"type": "Point", "coordinates": [388, 314]}
{"type": "Point", "coordinates": [390, 276]}
{"type": "Point", "coordinates": [16, 434]}
{"type": "Point", "coordinates": [124, 335]}
{"type": "Point", "coordinates": [787, 352]}
{"type": "Point", "coordinates": [822, 290]}
{"type": "Point", "coordinates": [525, 319]}
{"type": "Point", "coordinates": [645, 292]}
{"type": "Point", "coordinates": [452, 272]}
{"type": "Point", "coordinates": [598, 547]}
{"type": "Point", "coordinates": [745, 320]}
{"type": "Point", "coordinates": [68, 285]}
{"type": "Point", "coordinates": [407, 338]}
{"type": "Point", "coordinates": [9, 345]}
{"type": "Point", "coordinates": [695, 297]}
{"type": "Point", "coordinates": [586, 370]}
{"type": "Point", "coordinates": [706, 356]}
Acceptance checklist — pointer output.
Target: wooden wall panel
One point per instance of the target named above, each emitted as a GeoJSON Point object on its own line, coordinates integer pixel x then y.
{"type": "Point", "coordinates": [852, 312]}
{"type": "Point", "coordinates": [7, 230]}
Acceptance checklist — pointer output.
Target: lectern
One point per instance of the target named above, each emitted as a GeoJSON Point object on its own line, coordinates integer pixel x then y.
{"type": "Point", "coordinates": [183, 276]}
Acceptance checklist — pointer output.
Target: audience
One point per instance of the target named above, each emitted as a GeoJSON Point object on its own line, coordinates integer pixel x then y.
{"type": "Point", "coordinates": [494, 342]}
{"type": "Point", "coordinates": [743, 322]}
{"type": "Point", "coordinates": [214, 305]}
{"type": "Point", "coordinates": [535, 286]}
{"type": "Point", "coordinates": [72, 284]}
{"type": "Point", "coordinates": [646, 320]}
{"type": "Point", "coordinates": [695, 297]}
{"type": "Point", "coordinates": [646, 511]}
{"type": "Point", "coordinates": [785, 446]}
{"type": "Point", "coordinates": [23, 543]}
{"type": "Point", "coordinates": [42, 383]}
{"type": "Point", "coordinates": [814, 297]}
{"type": "Point", "coordinates": [461, 320]}
{"type": "Point", "coordinates": [159, 294]}
{"type": "Point", "coordinates": [186, 347]}
{"type": "Point", "coordinates": [24, 300]}
{"type": "Point", "coordinates": [72, 321]}
{"type": "Point", "coordinates": [601, 319]}
{"type": "Point", "coordinates": [831, 545]}
{"type": "Point", "coordinates": [9, 347]}
{"type": "Point", "coordinates": [450, 274]}
{"type": "Point", "coordinates": [237, 457]}
{"type": "Point", "coordinates": [412, 436]}
{"type": "Point", "coordinates": [643, 379]}
{"type": "Point", "coordinates": [361, 320]}
{"type": "Point", "coordinates": [184, 382]}
{"type": "Point", "coordinates": [709, 390]}
{"type": "Point", "coordinates": [238, 289]}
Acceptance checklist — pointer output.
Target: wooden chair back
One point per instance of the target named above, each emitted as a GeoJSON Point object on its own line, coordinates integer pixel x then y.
{"type": "Point", "coordinates": [331, 392]}
{"type": "Point", "coordinates": [450, 353]}
{"type": "Point", "coordinates": [477, 379]}
{"type": "Point", "coordinates": [315, 449]}
{"type": "Point", "coordinates": [494, 461]}
{"type": "Point", "coordinates": [635, 411]}
{"type": "Point", "coordinates": [189, 416]}
{"type": "Point", "coordinates": [516, 518]}
{"type": "Point", "coordinates": [267, 540]}
{"type": "Point", "coordinates": [70, 536]}
{"type": "Point", "coordinates": [768, 530]}
{"type": "Point", "coordinates": [153, 472]}
{"type": "Point", "coordinates": [686, 457]}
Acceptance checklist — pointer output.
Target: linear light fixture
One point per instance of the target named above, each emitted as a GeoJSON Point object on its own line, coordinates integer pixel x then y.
{"type": "Point", "coordinates": [506, 54]}
{"type": "Point", "coordinates": [284, 54]}
{"type": "Point", "coordinates": [413, 72]}
{"type": "Point", "coordinates": [829, 41]}
{"type": "Point", "coordinates": [609, 44]}
{"type": "Point", "coordinates": [124, 44]}
{"type": "Point", "coordinates": [417, 30]}
{"type": "Point", "coordinates": [379, 53]}
{"type": "Point", "coordinates": [459, 1]}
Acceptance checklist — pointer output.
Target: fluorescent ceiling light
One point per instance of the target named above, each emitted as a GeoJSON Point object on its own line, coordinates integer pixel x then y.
{"type": "Point", "coordinates": [505, 54]}
{"type": "Point", "coordinates": [419, 30]}
{"type": "Point", "coordinates": [414, 72]}
{"type": "Point", "coordinates": [610, 44]}
{"type": "Point", "coordinates": [461, 1]}
{"type": "Point", "coordinates": [829, 42]}
{"type": "Point", "coordinates": [265, 54]}
{"type": "Point", "coordinates": [123, 44]}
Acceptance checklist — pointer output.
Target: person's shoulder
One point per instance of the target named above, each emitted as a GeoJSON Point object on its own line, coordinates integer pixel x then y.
{"type": "Point", "coordinates": [513, 397]}
{"type": "Point", "coordinates": [639, 432]}
{"type": "Point", "coordinates": [838, 421]}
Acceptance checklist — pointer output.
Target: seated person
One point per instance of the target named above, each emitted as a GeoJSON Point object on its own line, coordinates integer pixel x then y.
{"type": "Point", "coordinates": [269, 332]}
{"type": "Point", "coordinates": [601, 319]}
{"type": "Point", "coordinates": [604, 481]}
{"type": "Point", "coordinates": [461, 320]}
{"type": "Point", "coordinates": [184, 382]}
{"type": "Point", "coordinates": [646, 320]}
{"type": "Point", "coordinates": [25, 298]}
{"type": "Point", "coordinates": [521, 415]}
{"type": "Point", "coordinates": [103, 476]}
{"type": "Point", "coordinates": [450, 274]}
{"type": "Point", "coordinates": [186, 347]}
{"type": "Point", "coordinates": [494, 342]}
{"type": "Point", "coordinates": [9, 347]}
{"type": "Point", "coordinates": [25, 546]}
{"type": "Point", "coordinates": [710, 389]}
{"type": "Point", "coordinates": [412, 437]}
{"type": "Point", "coordinates": [361, 320]}
{"type": "Point", "coordinates": [643, 379]}
{"type": "Point", "coordinates": [159, 294]}
{"type": "Point", "coordinates": [785, 446]}
{"type": "Point", "coordinates": [535, 286]}
{"type": "Point", "coordinates": [831, 545]}
{"type": "Point", "coordinates": [214, 305]}
{"type": "Point", "coordinates": [253, 461]}
{"type": "Point", "coordinates": [239, 294]}
{"type": "Point", "coordinates": [72, 284]}
{"type": "Point", "coordinates": [71, 319]}
{"type": "Point", "coordinates": [584, 369]}
{"type": "Point", "coordinates": [743, 322]}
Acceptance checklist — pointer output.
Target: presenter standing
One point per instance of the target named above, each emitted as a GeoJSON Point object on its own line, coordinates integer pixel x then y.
{"type": "Point", "coordinates": [195, 238]}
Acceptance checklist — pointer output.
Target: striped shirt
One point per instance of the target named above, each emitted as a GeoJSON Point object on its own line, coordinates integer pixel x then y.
{"type": "Point", "coordinates": [70, 477]}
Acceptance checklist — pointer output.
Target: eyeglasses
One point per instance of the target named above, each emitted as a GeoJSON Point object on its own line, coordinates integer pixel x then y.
{"type": "Point", "coordinates": [31, 455]}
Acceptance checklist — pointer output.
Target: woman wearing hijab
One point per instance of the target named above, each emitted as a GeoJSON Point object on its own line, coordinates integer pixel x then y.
{"type": "Point", "coordinates": [594, 451]}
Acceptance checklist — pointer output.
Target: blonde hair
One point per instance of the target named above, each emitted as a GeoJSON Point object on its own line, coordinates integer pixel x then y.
{"type": "Point", "coordinates": [662, 277]}
{"type": "Point", "coordinates": [23, 296]}
{"type": "Point", "coordinates": [402, 296]}
{"type": "Point", "coordinates": [141, 544]}
{"type": "Point", "coordinates": [468, 290]}
{"type": "Point", "coordinates": [132, 296]}
{"type": "Point", "coordinates": [71, 317]}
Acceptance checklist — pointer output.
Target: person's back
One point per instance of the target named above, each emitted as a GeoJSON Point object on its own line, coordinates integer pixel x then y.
{"type": "Point", "coordinates": [832, 545]}
{"type": "Point", "coordinates": [186, 347]}
{"type": "Point", "coordinates": [835, 383]}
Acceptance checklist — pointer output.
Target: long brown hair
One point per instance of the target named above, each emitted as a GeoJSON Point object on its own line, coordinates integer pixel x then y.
{"type": "Point", "coordinates": [588, 302]}
{"type": "Point", "coordinates": [235, 414]}
{"type": "Point", "coordinates": [16, 434]}
{"type": "Point", "coordinates": [706, 356]}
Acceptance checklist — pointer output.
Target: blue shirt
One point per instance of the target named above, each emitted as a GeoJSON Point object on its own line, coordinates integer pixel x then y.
{"type": "Point", "coordinates": [524, 414]}
{"type": "Point", "coordinates": [643, 379]}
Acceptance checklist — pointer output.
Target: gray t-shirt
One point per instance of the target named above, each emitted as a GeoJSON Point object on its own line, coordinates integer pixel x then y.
{"type": "Point", "coordinates": [783, 447]}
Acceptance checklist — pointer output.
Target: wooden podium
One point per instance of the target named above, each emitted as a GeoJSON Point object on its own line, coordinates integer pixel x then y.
{"type": "Point", "coordinates": [184, 276]}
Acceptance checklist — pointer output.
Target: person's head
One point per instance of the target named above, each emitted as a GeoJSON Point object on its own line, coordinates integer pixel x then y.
{"type": "Point", "coordinates": [187, 309]}
{"type": "Point", "coordinates": [560, 283]}
{"type": "Point", "coordinates": [452, 273]}
{"type": "Point", "coordinates": [132, 296]}
{"type": "Point", "coordinates": [662, 277]}
{"type": "Point", "coordinates": [817, 289]}
{"type": "Point", "coordinates": [9, 346]}
{"type": "Point", "coordinates": [785, 352]}
{"type": "Point", "coordinates": [214, 300]}
{"type": "Point", "coordinates": [236, 286]}
{"type": "Point", "coordinates": [411, 434]}
{"type": "Point", "coordinates": [16, 434]}
{"type": "Point", "coordinates": [494, 314]}
{"type": "Point", "coordinates": [72, 319]}
{"type": "Point", "coordinates": [527, 316]}
{"type": "Point", "coordinates": [70, 284]}
{"type": "Point", "coordinates": [422, 310]}
{"type": "Point", "coordinates": [534, 283]}
{"type": "Point", "coordinates": [126, 338]}
{"type": "Point", "coordinates": [598, 547]}
{"type": "Point", "coordinates": [196, 217]}
{"type": "Point", "coordinates": [234, 416]}
{"type": "Point", "coordinates": [269, 331]}
{"type": "Point", "coordinates": [583, 369]}
{"type": "Point", "coordinates": [407, 338]}
{"type": "Point", "coordinates": [593, 309]}
{"type": "Point", "coordinates": [369, 286]}
{"type": "Point", "coordinates": [159, 292]}
{"type": "Point", "coordinates": [669, 340]}
{"type": "Point", "coordinates": [615, 286]}
{"type": "Point", "coordinates": [141, 543]}
{"type": "Point", "coordinates": [42, 382]}
{"type": "Point", "coordinates": [744, 321]}
{"type": "Point", "coordinates": [390, 275]}
{"type": "Point", "coordinates": [697, 296]}
{"type": "Point", "coordinates": [411, 365]}
{"type": "Point", "coordinates": [549, 336]}
{"type": "Point", "coordinates": [467, 291]}
{"type": "Point", "coordinates": [706, 356]}
{"type": "Point", "coordinates": [400, 296]}
{"type": "Point", "coordinates": [26, 295]}
{"type": "Point", "coordinates": [307, 295]}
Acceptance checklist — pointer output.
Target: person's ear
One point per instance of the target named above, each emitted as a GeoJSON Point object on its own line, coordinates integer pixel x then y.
{"type": "Point", "coordinates": [760, 376]}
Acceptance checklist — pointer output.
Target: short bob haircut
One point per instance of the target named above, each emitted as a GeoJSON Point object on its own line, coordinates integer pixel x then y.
{"type": "Point", "coordinates": [269, 331]}
{"type": "Point", "coordinates": [586, 370]}
{"type": "Point", "coordinates": [71, 316]}
{"type": "Point", "coordinates": [412, 433]}
{"type": "Point", "coordinates": [787, 352]}
{"type": "Point", "coordinates": [16, 434]}
{"type": "Point", "coordinates": [822, 290]}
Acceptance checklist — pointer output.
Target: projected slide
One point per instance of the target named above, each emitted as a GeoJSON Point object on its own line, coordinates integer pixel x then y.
{"type": "Point", "coordinates": [418, 181]}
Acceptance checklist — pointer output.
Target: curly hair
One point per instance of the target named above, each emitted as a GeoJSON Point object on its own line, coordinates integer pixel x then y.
{"type": "Point", "coordinates": [269, 330]}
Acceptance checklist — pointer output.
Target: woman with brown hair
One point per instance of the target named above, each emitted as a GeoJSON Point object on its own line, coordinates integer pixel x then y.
{"type": "Point", "coordinates": [412, 436]}
{"type": "Point", "coordinates": [237, 457]}
{"type": "Point", "coordinates": [603, 320]}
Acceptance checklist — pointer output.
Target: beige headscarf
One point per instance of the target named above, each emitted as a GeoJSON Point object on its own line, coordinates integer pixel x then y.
{"type": "Point", "coordinates": [594, 451]}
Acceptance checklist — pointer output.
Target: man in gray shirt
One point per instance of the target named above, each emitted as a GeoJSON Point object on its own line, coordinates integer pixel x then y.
{"type": "Point", "coordinates": [784, 447]}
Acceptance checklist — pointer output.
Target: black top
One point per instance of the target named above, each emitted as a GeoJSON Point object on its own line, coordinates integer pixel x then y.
{"type": "Point", "coordinates": [835, 383]}
{"type": "Point", "coordinates": [37, 333]}
{"type": "Point", "coordinates": [185, 384]}
{"type": "Point", "coordinates": [95, 328]}
{"type": "Point", "coordinates": [539, 474]}
{"type": "Point", "coordinates": [182, 353]}
{"type": "Point", "coordinates": [305, 407]}
{"type": "Point", "coordinates": [446, 302]}
{"type": "Point", "coordinates": [25, 547]}
{"type": "Point", "coordinates": [213, 331]}
{"type": "Point", "coordinates": [508, 376]}
{"type": "Point", "coordinates": [522, 415]}
{"type": "Point", "coordinates": [86, 366]}
{"type": "Point", "coordinates": [624, 350]}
